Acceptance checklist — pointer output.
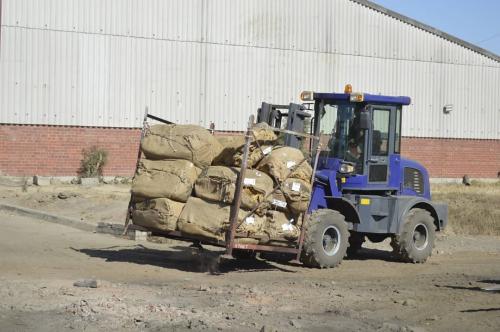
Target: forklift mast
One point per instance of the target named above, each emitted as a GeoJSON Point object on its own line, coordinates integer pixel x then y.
{"type": "Point", "coordinates": [295, 115]}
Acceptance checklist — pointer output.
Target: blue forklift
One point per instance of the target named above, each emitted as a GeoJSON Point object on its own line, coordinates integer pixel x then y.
{"type": "Point", "coordinates": [363, 188]}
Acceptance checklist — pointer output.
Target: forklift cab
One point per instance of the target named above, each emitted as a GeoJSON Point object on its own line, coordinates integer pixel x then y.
{"type": "Point", "coordinates": [361, 139]}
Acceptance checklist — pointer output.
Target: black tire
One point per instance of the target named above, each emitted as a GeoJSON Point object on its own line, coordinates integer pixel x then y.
{"type": "Point", "coordinates": [244, 254]}
{"type": "Point", "coordinates": [356, 241]}
{"type": "Point", "coordinates": [415, 242]}
{"type": "Point", "coordinates": [326, 239]}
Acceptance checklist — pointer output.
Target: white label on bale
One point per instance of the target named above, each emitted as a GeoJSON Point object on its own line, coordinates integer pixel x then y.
{"type": "Point", "coordinates": [279, 203]}
{"type": "Point", "coordinates": [267, 150]}
{"type": "Point", "coordinates": [296, 186]}
{"type": "Point", "coordinates": [249, 181]}
{"type": "Point", "coordinates": [290, 164]}
{"type": "Point", "coordinates": [250, 221]}
{"type": "Point", "coordinates": [287, 227]}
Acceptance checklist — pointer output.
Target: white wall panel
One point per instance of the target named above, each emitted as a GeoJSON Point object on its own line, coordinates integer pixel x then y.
{"type": "Point", "coordinates": [101, 63]}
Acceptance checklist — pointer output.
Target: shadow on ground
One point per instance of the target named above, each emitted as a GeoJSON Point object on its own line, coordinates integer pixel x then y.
{"type": "Point", "coordinates": [377, 254]}
{"type": "Point", "coordinates": [191, 259]}
{"type": "Point", "coordinates": [181, 258]}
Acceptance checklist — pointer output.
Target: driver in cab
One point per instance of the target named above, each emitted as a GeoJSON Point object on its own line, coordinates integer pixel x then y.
{"type": "Point", "coordinates": [353, 153]}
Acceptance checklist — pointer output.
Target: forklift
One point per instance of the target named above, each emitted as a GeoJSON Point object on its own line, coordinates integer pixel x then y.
{"type": "Point", "coordinates": [363, 188]}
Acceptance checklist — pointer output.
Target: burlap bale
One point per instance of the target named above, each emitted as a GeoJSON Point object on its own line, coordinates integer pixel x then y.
{"type": "Point", "coordinates": [188, 142]}
{"type": "Point", "coordinates": [277, 201]}
{"type": "Point", "coordinates": [284, 159]}
{"type": "Point", "coordinates": [255, 155]}
{"type": "Point", "coordinates": [264, 132]}
{"type": "Point", "coordinates": [157, 214]}
{"type": "Point", "coordinates": [218, 184]}
{"type": "Point", "coordinates": [172, 179]}
{"type": "Point", "coordinates": [230, 146]}
{"type": "Point", "coordinates": [297, 193]}
{"type": "Point", "coordinates": [256, 186]}
{"type": "Point", "coordinates": [280, 225]}
{"type": "Point", "coordinates": [232, 152]}
{"type": "Point", "coordinates": [211, 220]}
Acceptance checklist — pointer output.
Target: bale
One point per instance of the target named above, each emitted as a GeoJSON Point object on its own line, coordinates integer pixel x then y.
{"type": "Point", "coordinates": [157, 214]}
{"type": "Point", "coordinates": [172, 179]}
{"type": "Point", "coordinates": [255, 155]}
{"type": "Point", "coordinates": [280, 225]}
{"type": "Point", "coordinates": [264, 132]}
{"type": "Point", "coordinates": [277, 201]}
{"type": "Point", "coordinates": [282, 160]}
{"type": "Point", "coordinates": [218, 184]}
{"type": "Point", "coordinates": [188, 142]}
{"type": "Point", "coordinates": [210, 220]}
{"type": "Point", "coordinates": [297, 193]}
{"type": "Point", "coordinates": [256, 186]}
{"type": "Point", "coordinates": [233, 148]}
{"type": "Point", "coordinates": [230, 146]}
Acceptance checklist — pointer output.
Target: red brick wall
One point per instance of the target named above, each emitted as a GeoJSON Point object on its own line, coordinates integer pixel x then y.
{"type": "Point", "coordinates": [57, 150]}
{"type": "Point", "coordinates": [453, 158]}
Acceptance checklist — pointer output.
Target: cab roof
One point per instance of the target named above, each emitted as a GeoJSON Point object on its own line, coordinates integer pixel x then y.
{"type": "Point", "coordinates": [367, 98]}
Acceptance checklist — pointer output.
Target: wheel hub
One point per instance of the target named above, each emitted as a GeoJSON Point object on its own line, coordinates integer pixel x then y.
{"type": "Point", "coordinates": [331, 240]}
{"type": "Point", "coordinates": [420, 236]}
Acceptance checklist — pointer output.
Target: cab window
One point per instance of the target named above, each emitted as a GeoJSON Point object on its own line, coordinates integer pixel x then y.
{"type": "Point", "coordinates": [380, 138]}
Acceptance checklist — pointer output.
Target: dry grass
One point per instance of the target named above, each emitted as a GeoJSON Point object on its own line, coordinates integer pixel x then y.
{"type": "Point", "coordinates": [473, 209]}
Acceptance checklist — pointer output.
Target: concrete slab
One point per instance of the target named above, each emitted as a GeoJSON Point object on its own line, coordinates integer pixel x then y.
{"type": "Point", "coordinates": [89, 181]}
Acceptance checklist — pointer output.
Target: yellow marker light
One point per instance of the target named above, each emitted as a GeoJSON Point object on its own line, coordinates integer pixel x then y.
{"type": "Point", "coordinates": [343, 180]}
{"type": "Point", "coordinates": [306, 96]}
{"type": "Point", "coordinates": [348, 88]}
{"type": "Point", "coordinates": [357, 97]}
{"type": "Point", "coordinates": [365, 201]}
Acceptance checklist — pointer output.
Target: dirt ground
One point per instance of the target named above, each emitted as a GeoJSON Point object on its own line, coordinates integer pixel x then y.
{"type": "Point", "coordinates": [149, 286]}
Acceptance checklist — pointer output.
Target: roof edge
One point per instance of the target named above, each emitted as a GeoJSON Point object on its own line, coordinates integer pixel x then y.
{"type": "Point", "coordinates": [428, 28]}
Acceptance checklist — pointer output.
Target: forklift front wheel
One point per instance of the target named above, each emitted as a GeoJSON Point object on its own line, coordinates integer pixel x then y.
{"type": "Point", "coordinates": [326, 240]}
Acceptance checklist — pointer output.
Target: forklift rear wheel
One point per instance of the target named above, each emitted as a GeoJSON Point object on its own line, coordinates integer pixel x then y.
{"type": "Point", "coordinates": [326, 240]}
{"type": "Point", "coordinates": [416, 241]}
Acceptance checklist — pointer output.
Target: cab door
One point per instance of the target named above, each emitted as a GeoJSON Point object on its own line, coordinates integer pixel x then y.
{"type": "Point", "coordinates": [380, 144]}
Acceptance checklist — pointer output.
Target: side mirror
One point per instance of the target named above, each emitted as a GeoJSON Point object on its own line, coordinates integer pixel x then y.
{"type": "Point", "coordinates": [365, 121]}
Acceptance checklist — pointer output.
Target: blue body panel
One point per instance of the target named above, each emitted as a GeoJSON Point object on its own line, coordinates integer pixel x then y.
{"type": "Point", "coordinates": [368, 98]}
{"type": "Point", "coordinates": [328, 168]}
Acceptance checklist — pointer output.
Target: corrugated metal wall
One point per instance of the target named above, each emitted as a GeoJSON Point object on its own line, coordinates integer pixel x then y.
{"type": "Point", "coordinates": [100, 63]}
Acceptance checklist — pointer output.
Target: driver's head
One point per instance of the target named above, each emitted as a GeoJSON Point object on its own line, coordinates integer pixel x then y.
{"type": "Point", "coordinates": [353, 148]}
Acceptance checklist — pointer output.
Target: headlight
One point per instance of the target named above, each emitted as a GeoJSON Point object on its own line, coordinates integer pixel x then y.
{"type": "Point", "coordinates": [307, 96]}
{"type": "Point", "coordinates": [357, 97]}
{"type": "Point", "coordinates": [346, 168]}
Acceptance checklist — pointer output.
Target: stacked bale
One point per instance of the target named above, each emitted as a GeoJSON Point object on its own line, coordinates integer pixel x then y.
{"type": "Point", "coordinates": [188, 142]}
{"type": "Point", "coordinates": [218, 184]}
{"type": "Point", "coordinates": [232, 153]}
{"type": "Point", "coordinates": [187, 182]}
{"type": "Point", "coordinates": [174, 158]}
{"type": "Point", "coordinates": [210, 220]}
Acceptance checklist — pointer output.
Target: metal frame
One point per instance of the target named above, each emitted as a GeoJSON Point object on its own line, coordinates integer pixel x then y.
{"type": "Point", "coordinates": [234, 222]}
{"type": "Point", "coordinates": [231, 235]}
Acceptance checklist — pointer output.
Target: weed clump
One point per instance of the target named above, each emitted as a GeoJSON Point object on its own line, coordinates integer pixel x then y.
{"type": "Point", "coordinates": [94, 160]}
